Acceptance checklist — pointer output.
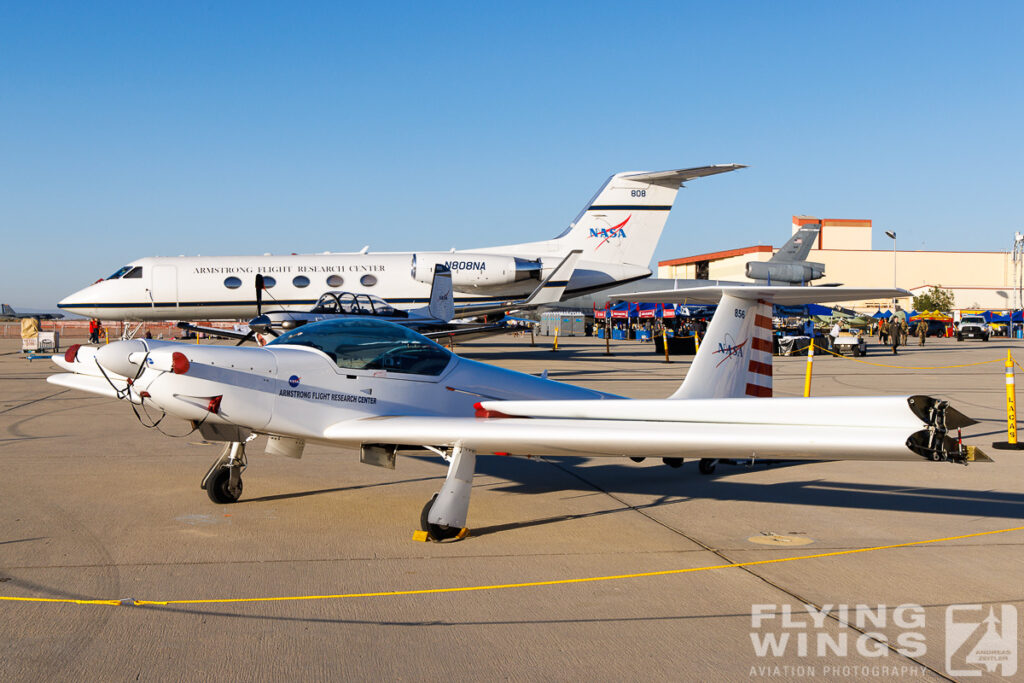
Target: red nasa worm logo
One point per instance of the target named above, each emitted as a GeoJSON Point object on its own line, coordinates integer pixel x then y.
{"type": "Point", "coordinates": [608, 233]}
{"type": "Point", "coordinates": [730, 349]}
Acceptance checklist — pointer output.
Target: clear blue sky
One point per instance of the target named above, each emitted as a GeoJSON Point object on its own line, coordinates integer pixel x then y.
{"type": "Point", "coordinates": [153, 128]}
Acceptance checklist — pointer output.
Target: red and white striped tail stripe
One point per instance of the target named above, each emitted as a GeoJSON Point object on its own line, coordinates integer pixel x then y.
{"type": "Point", "coordinates": [759, 368]}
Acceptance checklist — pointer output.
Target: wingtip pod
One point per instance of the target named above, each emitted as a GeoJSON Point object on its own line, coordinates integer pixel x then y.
{"type": "Point", "coordinates": [935, 442]}
{"type": "Point", "coordinates": [929, 409]}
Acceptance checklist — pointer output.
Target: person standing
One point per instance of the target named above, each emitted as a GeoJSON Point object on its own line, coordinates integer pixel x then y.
{"type": "Point", "coordinates": [922, 331]}
{"type": "Point", "coordinates": [883, 331]}
{"type": "Point", "coordinates": [833, 335]}
{"type": "Point", "coordinates": [94, 331]}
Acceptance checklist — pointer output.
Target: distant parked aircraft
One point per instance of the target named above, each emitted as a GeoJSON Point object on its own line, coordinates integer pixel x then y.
{"type": "Point", "coordinates": [6, 312]}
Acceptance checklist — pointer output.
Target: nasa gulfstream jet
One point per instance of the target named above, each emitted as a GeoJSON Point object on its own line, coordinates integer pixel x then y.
{"type": "Point", "coordinates": [433, 321]}
{"type": "Point", "coordinates": [382, 388]}
{"type": "Point", "coordinates": [617, 232]}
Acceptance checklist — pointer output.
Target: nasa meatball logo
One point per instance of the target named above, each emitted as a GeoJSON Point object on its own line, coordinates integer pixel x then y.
{"type": "Point", "coordinates": [293, 381]}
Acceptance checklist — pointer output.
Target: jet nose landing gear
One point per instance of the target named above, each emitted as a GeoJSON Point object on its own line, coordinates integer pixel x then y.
{"type": "Point", "coordinates": [223, 483]}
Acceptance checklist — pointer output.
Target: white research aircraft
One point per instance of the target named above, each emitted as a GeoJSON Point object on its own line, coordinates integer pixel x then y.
{"type": "Point", "coordinates": [433, 321]}
{"type": "Point", "coordinates": [382, 388]}
{"type": "Point", "coordinates": [617, 231]}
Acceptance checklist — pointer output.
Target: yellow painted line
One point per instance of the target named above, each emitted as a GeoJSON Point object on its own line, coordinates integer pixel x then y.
{"type": "Point", "coordinates": [504, 586]}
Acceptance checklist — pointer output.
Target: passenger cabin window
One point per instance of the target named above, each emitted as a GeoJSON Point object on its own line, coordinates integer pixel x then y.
{"type": "Point", "coordinates": [368, 280]}
{"type": "Point", "coordinates": [232, 282]}
{"type": "Point", "coordinates": [335, 281]}
{"type": "Point", "coordinates": [134, 273]}
{"type": "Point", "coordinates": [268, 282]}
{"type": "Point", "coordinates": [300, 281]}
{"type": "Point", "coordinates": [371, 345]}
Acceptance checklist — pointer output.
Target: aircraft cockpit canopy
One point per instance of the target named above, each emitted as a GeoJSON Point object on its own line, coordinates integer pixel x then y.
{"type": "Point", "coordinates": [356, 304]}
{"type": "Point", "coordinates": [126, 272]}
{"type": "Point", "coordinates": [370, 345]}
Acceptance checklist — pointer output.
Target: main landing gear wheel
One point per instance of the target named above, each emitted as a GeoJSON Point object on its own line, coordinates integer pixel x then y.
{"type": "Point", "coordinates": [437, 532]}
{"type": "Point", "coordinates": [673, 462]}
{"type": "Point", "coordinates": [219, 488]}
{"type": "Point", "coordinates": [707, 465]}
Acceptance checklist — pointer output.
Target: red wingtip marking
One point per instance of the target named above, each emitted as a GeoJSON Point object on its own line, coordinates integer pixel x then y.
{"type": "Point", "coordinates": [214, 405]}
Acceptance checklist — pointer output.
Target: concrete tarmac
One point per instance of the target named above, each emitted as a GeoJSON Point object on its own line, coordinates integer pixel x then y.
{"type": "Point", "coordinates": [97, 506]}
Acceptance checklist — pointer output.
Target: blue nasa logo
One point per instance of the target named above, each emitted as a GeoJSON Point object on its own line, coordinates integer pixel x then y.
{"type": "Point", "coordinates": [293, 381]}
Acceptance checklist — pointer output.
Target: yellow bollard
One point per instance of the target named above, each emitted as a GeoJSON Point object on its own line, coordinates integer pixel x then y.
{"type": "Point", "coordinates": [607, 338]}
{"type": "Point", "coordinates": [664, 340]}
{"type": "Point", "coordinates": [696, 343]}
{"type": "Point", "coordinates": [554, 347]}
{"type": "Point", "coordinates": [810, 364]}
{"type": "Point", "coordinates": [1011, 410]}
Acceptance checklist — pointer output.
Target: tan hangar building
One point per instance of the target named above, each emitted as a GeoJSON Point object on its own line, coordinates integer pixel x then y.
{"type": "Point", "coordinates": [978, 279]}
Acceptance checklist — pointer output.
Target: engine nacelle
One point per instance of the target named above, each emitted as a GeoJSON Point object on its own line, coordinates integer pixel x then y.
{"type": "Point", "coordinates": [476, 270]}
{"type": "Point", "coordinates": [785, 273]}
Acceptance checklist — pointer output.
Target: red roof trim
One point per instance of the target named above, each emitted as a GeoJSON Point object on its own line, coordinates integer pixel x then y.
{"type": "Point", "coordinates": [729, 253]}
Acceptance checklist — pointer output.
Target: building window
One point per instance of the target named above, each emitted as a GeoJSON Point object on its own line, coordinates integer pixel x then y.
{"type": "Point", "coordinates": [300, 281]}
{"type": "Point", "coordinates": [368, 280]}
{"type": "Point", "coordinates": [703, 270]}
{"type": "Point", "coordinates": [335, 281]}
{"type": "Point", "coordinates": [232, 282]}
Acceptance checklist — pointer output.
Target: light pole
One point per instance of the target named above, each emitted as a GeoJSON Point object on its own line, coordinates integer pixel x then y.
{"type": "Point", "coordinates": [891, 234]}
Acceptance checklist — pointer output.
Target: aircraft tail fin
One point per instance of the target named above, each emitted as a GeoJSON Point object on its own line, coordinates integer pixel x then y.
{"type": "Point", "coordinates": [624, 220]}
{"type": "Point", "coordinates": [442, 301]}
{"type": "Point", "coordinates": [7, 311]}
{"type": "Point", "coordinates": [735, 356]}
{"type": "Point", "coordinates": [799, 245]}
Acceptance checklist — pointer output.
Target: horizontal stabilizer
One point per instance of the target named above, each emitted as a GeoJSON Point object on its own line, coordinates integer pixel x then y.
{"type": "Point", "coordinates": [783, 295]}
{"type": "Point", "coordinates": [674, 179]}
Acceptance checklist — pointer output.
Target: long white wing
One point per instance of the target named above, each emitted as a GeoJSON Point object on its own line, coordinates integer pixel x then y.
{"type": "Point", "coordinates": [616, 438]}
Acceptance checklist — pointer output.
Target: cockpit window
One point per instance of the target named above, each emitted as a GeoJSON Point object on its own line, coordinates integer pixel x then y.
{"type": "Point", "coordinates": [371, 345]}
{"type": "Point", "coordinates": [119, 272]}
{"type": "Point", "coordinates": [134, 273]}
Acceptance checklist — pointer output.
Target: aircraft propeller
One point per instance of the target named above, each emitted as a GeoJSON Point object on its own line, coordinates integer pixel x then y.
{"type": "Point", "coordinates": [261, 324]}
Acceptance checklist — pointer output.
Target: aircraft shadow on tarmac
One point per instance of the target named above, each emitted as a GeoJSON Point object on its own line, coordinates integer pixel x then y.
{"type": "Point", "coordinates": [731, 483]}
{"type": "Point", "coordinates": [675, 486]}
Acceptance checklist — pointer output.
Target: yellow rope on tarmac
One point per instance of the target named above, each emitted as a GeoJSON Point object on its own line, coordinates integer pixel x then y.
{"type": "Point", "coordinates": [908, 367]}
{"type": "Point", "coordinates": [531, 584]}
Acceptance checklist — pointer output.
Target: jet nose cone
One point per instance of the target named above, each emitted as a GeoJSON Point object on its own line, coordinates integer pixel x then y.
{"type": "Point", "coordinates": [114, 357]}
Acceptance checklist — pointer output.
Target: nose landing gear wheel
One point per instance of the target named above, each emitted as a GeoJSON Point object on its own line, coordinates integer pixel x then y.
{"type": "Point", "coordinates": [436, 532]}
{"type": "Point", "coordinates": [219, 488]}
{"type": "Point", "coordinates": [707, 465]}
